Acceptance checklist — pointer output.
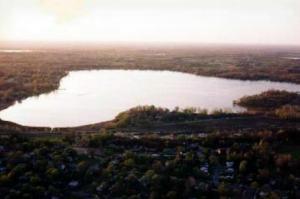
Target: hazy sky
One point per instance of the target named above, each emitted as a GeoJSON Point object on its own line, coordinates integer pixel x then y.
{"type": "Point", "coordinates": [210, 21]}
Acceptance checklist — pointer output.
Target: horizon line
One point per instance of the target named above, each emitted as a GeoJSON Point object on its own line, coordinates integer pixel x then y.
{"type": "Point", "coordinates": [149, 43]}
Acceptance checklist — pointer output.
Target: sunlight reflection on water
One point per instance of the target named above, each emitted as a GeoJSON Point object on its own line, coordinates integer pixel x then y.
{"type": "Point", "coordinates": [86, 97]}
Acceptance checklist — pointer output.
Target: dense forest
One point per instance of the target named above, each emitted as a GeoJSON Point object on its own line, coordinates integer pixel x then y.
{"type": "Point", "coordinates": [271, 99]}
{"type": "Point", "coordinates": [260, 165]}
{"type": "Point", "coordinates": [283, 104]}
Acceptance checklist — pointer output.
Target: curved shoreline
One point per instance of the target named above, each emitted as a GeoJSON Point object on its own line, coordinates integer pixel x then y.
{"type": "Point", "coordinates": [31, 74]}
{"type": "Point", "coordinates": [6, 105]}
{"type": "Point", "coordinates": [121, 70]}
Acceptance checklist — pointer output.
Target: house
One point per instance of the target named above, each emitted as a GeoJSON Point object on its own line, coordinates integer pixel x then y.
{"type": "Point", "coordinates": [204, 168]}
{"type": "Point", "coordinates": [229, 164]}
{"type": "Point", "coordinates": [221, 151]}
{"type": "Point", "coordinates": [62, 166]}
{"type": "Point", "coordinates": [249, 193]}
{"type": "Point", "coordinates": [2, 169]}
{"type": "Point", "coordinates": [229, 170]}
{"type": "Point", "coordinates": [73, 184]}
{"type": "Point", "coordinates": [2, 149]}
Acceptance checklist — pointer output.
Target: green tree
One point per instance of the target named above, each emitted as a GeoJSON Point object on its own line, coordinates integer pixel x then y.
{"type": "Point", "coordinates": [243, 166]}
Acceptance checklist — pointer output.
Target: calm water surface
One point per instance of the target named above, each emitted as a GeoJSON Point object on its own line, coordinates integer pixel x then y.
{"type": "Point", "coordinates": [86, 97]}
{"type": "Point", "coordinates": [292, 58]}
{"type": "Point", "coordinates": [14, 51]}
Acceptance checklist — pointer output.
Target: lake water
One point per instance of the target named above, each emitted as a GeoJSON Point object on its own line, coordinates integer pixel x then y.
{"type": "Point", "coordinates": [14, 51]}
{"type": "Point", "coordinates": [292, 58]}
{"type": "Point", "coordinates": [86, 97]}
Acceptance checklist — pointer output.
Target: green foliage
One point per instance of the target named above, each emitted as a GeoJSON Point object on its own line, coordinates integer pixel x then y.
{"type": "Point", "coordinates": [129, 162]}
{"type": "Point", "coordinates": [288, 112]}
{"type": "Point", "coordinates": [146, 116]}
{"type": "Point", "coordinates": [52, 173]}
{"type": "Point", "coordinates": [223, 189]}
{"type": "Point", "coordinates": [99, 139]}
{"type": "Point", "coordinates": [271, 99]}
{"type": "Point", "coordinates": [243, 166]}
{"type": "Point", "coordinates": [148, 167]}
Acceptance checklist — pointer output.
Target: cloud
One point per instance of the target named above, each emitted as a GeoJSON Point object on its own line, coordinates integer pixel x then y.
{"type": "Point", "coordinates": [64, 10]}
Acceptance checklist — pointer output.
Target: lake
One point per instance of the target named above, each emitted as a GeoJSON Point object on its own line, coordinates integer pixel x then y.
{"type": "Point", "coordinates": [14, 51]}
{"type": "Point", "coordinates": [292, 58]}
{"type": "Point", "coordinates": [86, 97]}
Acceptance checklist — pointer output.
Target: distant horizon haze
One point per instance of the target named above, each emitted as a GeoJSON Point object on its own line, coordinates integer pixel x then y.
{"type": "Point", "coordinates": [191, 22]}
{"type": "Point", "coordinates": [40, 45]}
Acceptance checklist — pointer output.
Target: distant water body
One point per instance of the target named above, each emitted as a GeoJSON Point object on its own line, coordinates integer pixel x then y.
{"type": "Point", "coordinates": [15, 51]}
{"type": "Point", "coordinates": [292, 58]}
{"type": "Point", "coordinates": [86, 97]}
